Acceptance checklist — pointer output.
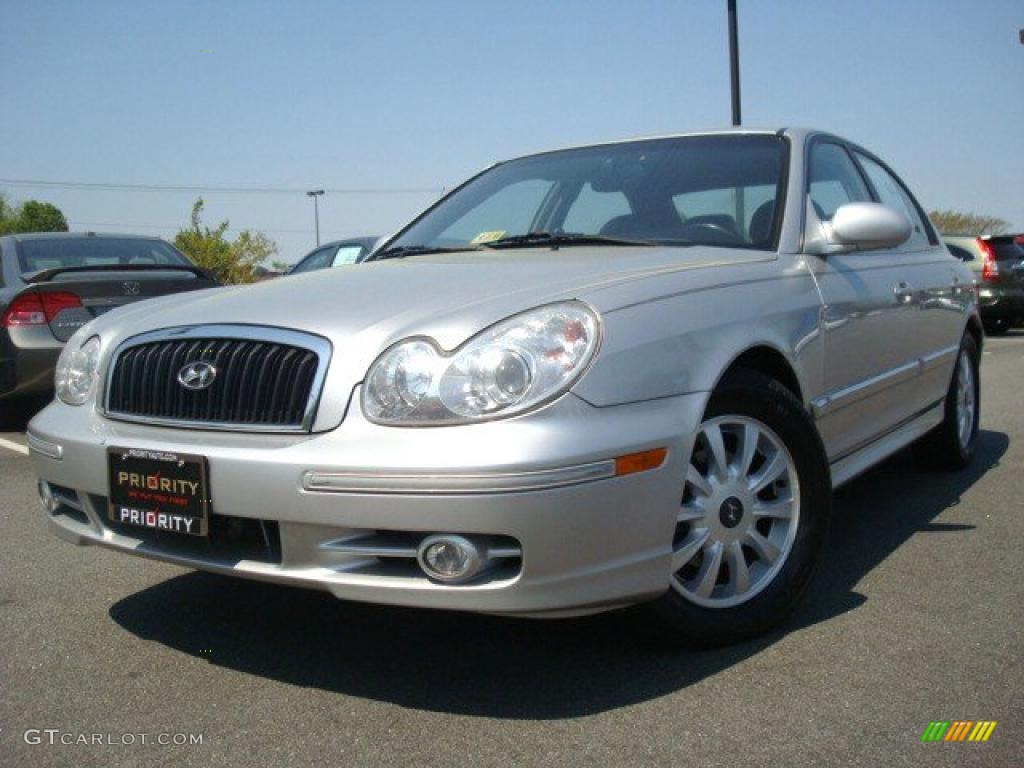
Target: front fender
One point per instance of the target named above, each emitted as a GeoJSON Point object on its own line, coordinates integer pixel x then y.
{"type": "Point", "coordinates": [683, 342]}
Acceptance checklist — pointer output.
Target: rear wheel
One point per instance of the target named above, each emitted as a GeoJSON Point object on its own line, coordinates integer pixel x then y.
{"type": "Point", "coordinates": [753, 516]}
{"type": "Point", "coordinates": [950, 446]}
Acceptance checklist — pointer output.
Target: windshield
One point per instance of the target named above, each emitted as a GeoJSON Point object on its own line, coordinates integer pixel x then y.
{"type": "Point", "coordinates": [36, 255]}
{"type": "Point", "coordinates": [709, 190]}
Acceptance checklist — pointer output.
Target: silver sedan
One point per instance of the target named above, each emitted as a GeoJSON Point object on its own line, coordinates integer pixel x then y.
{"type": "Point", "coordinates": [614, 375]}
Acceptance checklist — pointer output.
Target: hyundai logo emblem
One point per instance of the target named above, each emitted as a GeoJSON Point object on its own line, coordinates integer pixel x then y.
{"type": "Point", "coordinates": [131, 288]}
{"type": "Point", "coordinates": [197, 376]}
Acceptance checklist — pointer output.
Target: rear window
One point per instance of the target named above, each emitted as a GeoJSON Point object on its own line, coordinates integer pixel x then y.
{"type": "Point", "coordinates": [1006, 249]}
{"type": "Point", "coordinates": [35, 255]}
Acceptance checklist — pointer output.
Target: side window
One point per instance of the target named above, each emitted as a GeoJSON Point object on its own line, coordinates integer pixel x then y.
{"type": "Point", "coordinates": [834, 180]}
{"type": "Point", "coordinates": [592, 210]}
{"type": "Point", "coordinates": [892, 193]}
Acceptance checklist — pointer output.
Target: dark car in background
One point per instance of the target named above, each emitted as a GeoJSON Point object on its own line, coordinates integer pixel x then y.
{"type": "Point", "coordinates": [51, 284]}
{"type": "Point", "coordinates": [339, 253]}
{"type": "Point", "coordinates": [998, 264]}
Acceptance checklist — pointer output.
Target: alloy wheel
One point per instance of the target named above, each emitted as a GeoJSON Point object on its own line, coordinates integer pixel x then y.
{"type": "Point", "coordinates": [739, 513]}
{"type": "Point", "coordinates": [965, 399]}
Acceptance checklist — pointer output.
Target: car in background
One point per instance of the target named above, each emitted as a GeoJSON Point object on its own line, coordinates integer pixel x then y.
{"type": "Point", "coordinates": [998, 264]}
{"type": "Point", "coordinates": [51, 284]}
{"type": "Point", "coordinates": [340, 253]}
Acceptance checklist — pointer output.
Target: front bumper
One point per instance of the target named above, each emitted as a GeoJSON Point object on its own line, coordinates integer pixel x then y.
{"type": "Point", "coordinates": [585, 544]}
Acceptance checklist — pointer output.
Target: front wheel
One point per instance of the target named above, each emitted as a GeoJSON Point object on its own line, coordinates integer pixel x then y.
{"type": "Point", "coordinates": [753, 516]}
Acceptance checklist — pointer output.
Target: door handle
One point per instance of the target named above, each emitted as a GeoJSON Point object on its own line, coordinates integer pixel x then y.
{"type": "Point", "coordinates": [904, 294]}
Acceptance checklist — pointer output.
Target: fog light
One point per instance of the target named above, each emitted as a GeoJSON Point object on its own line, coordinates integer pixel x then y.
{"type": "Point", "coordinates": [450, 558]}
{"type": "Point", "coordinates": [46, 497]}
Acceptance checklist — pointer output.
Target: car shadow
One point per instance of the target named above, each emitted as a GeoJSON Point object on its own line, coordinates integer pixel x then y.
{"type": "Point", "coordinates": [516, 668]}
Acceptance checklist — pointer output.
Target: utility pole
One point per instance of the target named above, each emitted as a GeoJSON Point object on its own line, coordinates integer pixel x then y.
{"type": "Point", "coordinates": [734, 63]}
{"type": "Point", "coordinates": [315, 193]}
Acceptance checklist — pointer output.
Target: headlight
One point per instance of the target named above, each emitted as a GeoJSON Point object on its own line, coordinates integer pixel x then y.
{"type": "Point", "coordinates": [512, 367]}
{"type": "Point", "coordinates": [76, 374]}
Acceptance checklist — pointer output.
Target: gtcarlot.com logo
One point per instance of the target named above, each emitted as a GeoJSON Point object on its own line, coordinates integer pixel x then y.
{"type": "Point", "coordinates": [958, 730]}
{"type": "Point", "coordinates": [57, 737]}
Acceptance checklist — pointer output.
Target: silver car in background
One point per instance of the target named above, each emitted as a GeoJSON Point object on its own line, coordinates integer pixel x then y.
{"type": "Point", "coordinates": [339, 253]}
{"type": "Point", "coordinates": [628, 373]}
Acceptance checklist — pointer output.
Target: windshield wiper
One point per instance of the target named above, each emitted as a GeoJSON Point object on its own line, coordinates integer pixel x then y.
{"type": "Point", "coordinates": [553, 239]}
{"type": "Point", "coordinates": [401, 251]}
{"type": "Point", "coordinates": [556, 239]}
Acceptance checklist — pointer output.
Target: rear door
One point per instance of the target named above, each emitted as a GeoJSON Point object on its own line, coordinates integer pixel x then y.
{"type": "Point", "coordinates": [939, 292]}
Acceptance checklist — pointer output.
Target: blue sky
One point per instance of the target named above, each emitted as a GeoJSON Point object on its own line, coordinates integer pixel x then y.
{"type": "Point", "coordinates": [418, 95]}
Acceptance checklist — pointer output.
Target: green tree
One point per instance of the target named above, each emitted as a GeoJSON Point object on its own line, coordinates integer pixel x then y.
{"type": "Point", "coordinates": [231, 261]}
{"type": "Point", "coordinates": [31, 216]}
{"type": "Point", "coordinates": [964, 223]}
{"type": "Point", "coordinates": [6, 214]}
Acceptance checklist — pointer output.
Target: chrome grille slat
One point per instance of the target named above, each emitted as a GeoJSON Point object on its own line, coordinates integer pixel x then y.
{"type": "Point", "coordinates": [267, 379]}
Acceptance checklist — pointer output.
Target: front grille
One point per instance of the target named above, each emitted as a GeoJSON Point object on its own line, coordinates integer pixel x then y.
{"type": "Point", "coordinates": [259, 383]}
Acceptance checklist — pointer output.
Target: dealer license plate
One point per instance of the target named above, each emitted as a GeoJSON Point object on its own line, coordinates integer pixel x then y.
{"type": "Point", "coordinates": [158, 490]}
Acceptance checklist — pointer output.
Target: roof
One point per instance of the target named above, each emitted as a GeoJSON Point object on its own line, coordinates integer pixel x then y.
{"type": "Point", "coordinates": [79, 236]}
{"type": "Point", "coordinates": [795, 133]}
{"type": "Point", "coordinates": [367, 241]}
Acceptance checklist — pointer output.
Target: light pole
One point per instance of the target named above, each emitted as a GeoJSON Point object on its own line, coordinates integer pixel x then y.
{"type": "Point", "coordinates": [734, 62]}
{"type": "Point", "coordinates": [315, 193]}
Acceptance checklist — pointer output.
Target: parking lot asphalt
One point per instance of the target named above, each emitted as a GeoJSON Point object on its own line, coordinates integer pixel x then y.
{"type": "Point", "coordinates": [914, 616]}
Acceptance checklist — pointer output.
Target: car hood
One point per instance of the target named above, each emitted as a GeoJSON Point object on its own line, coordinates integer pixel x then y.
{"type": "Point", "coordinates": [449, 297]}
{"type": "Point", "coordinates": [445, 295]}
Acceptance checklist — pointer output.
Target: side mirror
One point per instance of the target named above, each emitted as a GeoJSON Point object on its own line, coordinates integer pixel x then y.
{"type": "Point", "coordinates": [865, 226]}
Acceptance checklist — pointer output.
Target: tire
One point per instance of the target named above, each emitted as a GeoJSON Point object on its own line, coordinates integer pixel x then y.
{"type": "Point", "coordinates": [946, 447]}
{"type": "Point", "coordinates": [736, 609]}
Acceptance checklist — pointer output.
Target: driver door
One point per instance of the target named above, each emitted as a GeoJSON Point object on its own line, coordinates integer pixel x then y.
{"type": "Point", "coordinates": [869, 318]}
